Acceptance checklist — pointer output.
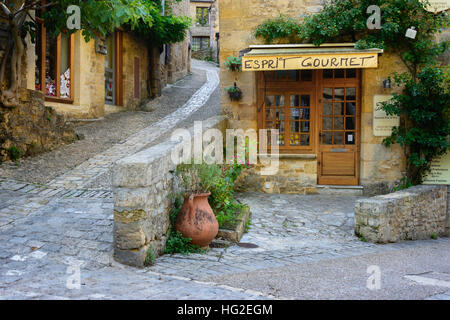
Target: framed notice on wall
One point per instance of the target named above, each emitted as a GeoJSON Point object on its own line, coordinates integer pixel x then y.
{"type": "Point", "coordinates": [436, 6]}
{"type": "Point", "coordinates": [382, 123]}
{"type": "Point", "coordinates": [440, 171]}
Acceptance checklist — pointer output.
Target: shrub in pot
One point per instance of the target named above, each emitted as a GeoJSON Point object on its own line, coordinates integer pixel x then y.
{"type": "Point", "coordinates": [233, 64]}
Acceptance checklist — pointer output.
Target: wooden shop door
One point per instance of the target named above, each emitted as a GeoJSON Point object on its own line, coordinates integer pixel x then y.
{"type": "Point", "coordinates": [339, 127]}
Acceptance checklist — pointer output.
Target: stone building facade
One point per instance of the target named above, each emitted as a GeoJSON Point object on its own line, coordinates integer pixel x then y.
{"type": "Point", "coordinates": [106, 75]}
{"type": "Point", "coordinates": [205, 37]}
{"type": "Point", "coordinates": [328, 117]}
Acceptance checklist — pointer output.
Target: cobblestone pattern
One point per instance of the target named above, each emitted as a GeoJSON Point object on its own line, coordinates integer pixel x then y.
{"type": "Point", "coordinates": [142, 185]}
{"type": "Point", "coordinates": [288, 230]}
{"type": "Point", "coordinates": [416, 213]}
{"type": "Point", "coordinates": [100, 164]}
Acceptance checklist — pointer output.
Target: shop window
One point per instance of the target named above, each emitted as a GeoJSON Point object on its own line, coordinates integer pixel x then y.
{"type": "Point", "coordinates": [54, 61]}
{"type": "Point", "coordinates": [200, 43]}
{"type": "Point", "coordinates": [203, 16]}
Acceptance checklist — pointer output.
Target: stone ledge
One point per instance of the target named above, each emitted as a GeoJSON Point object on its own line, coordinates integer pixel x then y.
{"type": "Point", "coordinates": [417, 213]}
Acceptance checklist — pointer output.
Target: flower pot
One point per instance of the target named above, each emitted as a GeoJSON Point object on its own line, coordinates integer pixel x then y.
{"type": "Point", "coordinates": [196, 220]}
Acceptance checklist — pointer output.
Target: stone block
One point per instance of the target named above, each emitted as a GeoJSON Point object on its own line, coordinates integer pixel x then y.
{"type": "Point", "coordinates": [412, 214]}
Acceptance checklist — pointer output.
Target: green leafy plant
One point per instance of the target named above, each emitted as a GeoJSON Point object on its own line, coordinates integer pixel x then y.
{"type": "Point", "coordinates": [362, 238]}
{"type": "Point", "coordinates": [424, 108]}
{"type": "Point", "coordinates": [150, 257]}
{"type": "Point", "coordinates": [233, 63]}
{"type": "Point", "coordinates": [15, 153]}
{"type": "Point", "coordinates": [281, 29]}
{"type": "Point", "coordinates": [196, 179]}
{"type": "Point", "coordinates": [434, 236]}
{"type": "Point", "coordinates": [234, 93]}
{"type": "Point", "coordinates": [405, 183]}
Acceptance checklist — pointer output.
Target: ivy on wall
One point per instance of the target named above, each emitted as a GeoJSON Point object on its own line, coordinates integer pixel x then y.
{"type": "Point", "coordinates": [424, 102]}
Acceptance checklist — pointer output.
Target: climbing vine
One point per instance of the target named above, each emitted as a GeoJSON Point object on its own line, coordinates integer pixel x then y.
{"type": "Point", "coordinates": [424, 101]}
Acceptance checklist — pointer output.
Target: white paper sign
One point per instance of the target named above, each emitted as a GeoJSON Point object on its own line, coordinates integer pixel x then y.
{"type": "Point", "coordinates": [382, 123]}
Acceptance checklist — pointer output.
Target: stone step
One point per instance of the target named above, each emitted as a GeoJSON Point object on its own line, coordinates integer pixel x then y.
{"type": "Point", "coordinates": [340, 190]}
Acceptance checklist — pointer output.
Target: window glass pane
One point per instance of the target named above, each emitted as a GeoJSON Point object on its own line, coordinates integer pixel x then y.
{"type": "Point", "coordinates": [305, 101]}
{"type": "Point", "coordinates": [305, 126]}
{"type": "Point", "coordinates": [328, 74]}
{"type": "Point", "coordinates": [327, 124]}
{"type": "Point", "coordinates": [50, 66]}
{"type": "Point", "coordinates": [339, 73]}
{"type": "Point", "coordinates": [327, 109]}
{"type": "Point", "coordinates": [350, 108]}
{"type": "Point", "coordinates": [295, 127]}
{"type": "Point", "coordinates": [304, 113]}
{"type": "Point", "coordinates": [327, 138]}
{"type": "Point", "coordinates": [339, 108]}
{"type": "Point", "coordinates": [304, 141]}
{"type": "Point", "coordinates": [351, 73]}
{"type": "Point", "coordinates": [64, 85]}
{"type": "Point", "coordinates": [279, 101]}
{"type": "Point", "coordinates": [327, 94]}
{"type": "Point", "coordinates": [306, 75]}
{"type": "Point", "coordinates": [295, 113]}
{"type": "Point", "coordinates": [350, 123]}
{"type": "Point", "coordinates": [339, 94]}
{"type": "Point", "coordinates": [338, 138]}
{"type": "Point", "coordinates": [339, 123]}
{"type": "Point", "coordinates": [295, 101]}
{"type": "Point", "coordinates": [196, 43]}
{"type": "Point", "coordinates": [205, 42]}
{"type": "Point", "coordinates": [351, 93]}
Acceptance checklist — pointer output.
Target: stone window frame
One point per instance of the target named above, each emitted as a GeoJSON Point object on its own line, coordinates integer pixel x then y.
{"type": "Point", "coordinates": [200, 15]}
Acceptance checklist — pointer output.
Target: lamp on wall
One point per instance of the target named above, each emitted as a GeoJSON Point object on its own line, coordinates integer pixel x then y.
{"type": "Point", "coordinates": [387, 83]}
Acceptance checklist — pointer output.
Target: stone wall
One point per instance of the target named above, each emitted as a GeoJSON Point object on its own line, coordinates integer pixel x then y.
{"type": "Point", "coordinates": [413, 214]}
{"type": "Point", "coordinates": [142, 185]}
{"type": "Point", "coordinates": [297, 174]}
{"type": "Point", "coordinates": [31, 127]}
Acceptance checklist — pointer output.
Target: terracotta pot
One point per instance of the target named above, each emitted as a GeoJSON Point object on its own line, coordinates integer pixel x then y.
{"type": "Point", "coordinates": [196, 220]}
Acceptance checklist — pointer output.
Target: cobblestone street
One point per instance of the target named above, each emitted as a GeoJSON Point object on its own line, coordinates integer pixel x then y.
{"type": "Point", "coordinates": [305, 245]}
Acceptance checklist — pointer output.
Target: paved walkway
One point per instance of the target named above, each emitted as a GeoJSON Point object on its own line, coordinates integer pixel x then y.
{"type": "Point", "coordinates": [50, 233]}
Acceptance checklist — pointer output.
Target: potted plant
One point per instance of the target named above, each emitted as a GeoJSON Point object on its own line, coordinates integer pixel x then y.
{"type": "Point", "coordinates": [196, 219]}
{"type": "Point", "coordinates": [233, 63]}
{"type": "Point", "coordinates": [234, 93]}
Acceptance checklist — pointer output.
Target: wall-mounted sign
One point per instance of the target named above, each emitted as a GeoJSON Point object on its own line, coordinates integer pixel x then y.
{"type": "Point", "coordinates": [382, 123]}
{"type": "Point", "coordinates": [100, 46]}
{"type": "Point", "coordinates": [310, 61]}
{"type": "Point", "coordinates": [440, 171]}
{"type": "Point", "coordinates": [436, 6]}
